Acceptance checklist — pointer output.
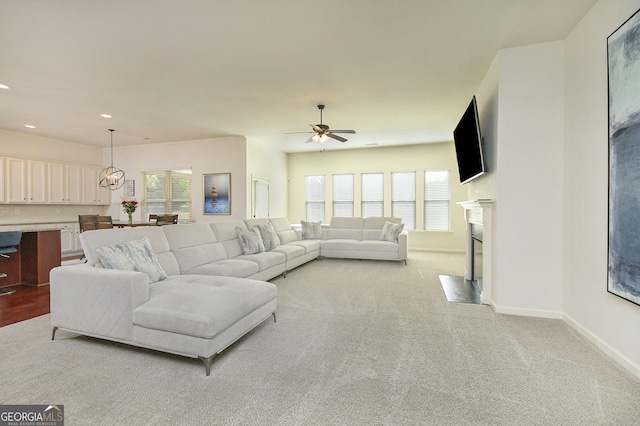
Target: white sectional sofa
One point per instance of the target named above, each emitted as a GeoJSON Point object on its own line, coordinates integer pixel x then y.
{"type": "Point", "coordinates": [208, 293]}
{"type": "Point", "coordinates": [359, 238]}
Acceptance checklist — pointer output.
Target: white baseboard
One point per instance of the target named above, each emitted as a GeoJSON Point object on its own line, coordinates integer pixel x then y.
{"type": "Point", "coordinates": [436, 250]}
{"type": "Point", "coordinates": [604, 346]}
{"type": "Point", "coordinates": [540, 313]}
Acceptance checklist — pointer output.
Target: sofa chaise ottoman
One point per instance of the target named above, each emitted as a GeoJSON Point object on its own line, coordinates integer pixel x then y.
{"type": "Point", "coordinates": [185, 314]}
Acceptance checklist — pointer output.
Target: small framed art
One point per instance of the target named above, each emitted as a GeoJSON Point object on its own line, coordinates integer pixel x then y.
{"type": "Point", "coordinates": [216, 188]}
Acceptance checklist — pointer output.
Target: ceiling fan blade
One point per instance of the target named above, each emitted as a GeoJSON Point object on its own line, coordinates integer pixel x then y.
{"type": "Point", "coordinates": [309, 140]}
{"type": "Point", "coordinates": [296, 133]}
{"type": "Point", "coordinates": [344, 131]}
{"type": "Point", "coordinates": [336, 137]}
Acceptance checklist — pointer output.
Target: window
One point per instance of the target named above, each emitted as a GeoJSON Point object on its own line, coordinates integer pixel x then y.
{"type": "Point", "coordinates": [437, 200]}
{"type": "Point", "coordinates": [403, 197]}
{"type": "Point", "coordinates": [168, 192]}
{"type": "Point", "coordinates": [372, 194]}
{"type": "Point", "coordinates": [343, 195]}
{"type": "Point", "coordinates": [314, 196]}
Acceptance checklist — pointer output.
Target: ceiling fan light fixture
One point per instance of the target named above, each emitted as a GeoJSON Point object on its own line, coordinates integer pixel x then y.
{"type": "Point", "coordinates": [111, 178]}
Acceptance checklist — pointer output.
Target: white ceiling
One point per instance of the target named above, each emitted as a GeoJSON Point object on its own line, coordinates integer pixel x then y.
{"type": "Point", "coordinates": [396, 71]}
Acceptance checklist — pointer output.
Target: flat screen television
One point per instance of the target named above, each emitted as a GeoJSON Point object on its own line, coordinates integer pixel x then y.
{"type": "Point", "coordinates": [468, 143]}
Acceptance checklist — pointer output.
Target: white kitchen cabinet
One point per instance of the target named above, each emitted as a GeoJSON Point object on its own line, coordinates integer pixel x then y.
{"type": "Point", "coordinates": [74, 184]}
{"type": "Point", "coordinates": [37, 181]}
{"type": "Point", "coordinates": [17, 178]}
{"type": "Point", "coordinates": [57, 183]}
{"type": "Point", "coordinates": [69, 237]}
{"type": "Point", "coordinates": [3, 197]}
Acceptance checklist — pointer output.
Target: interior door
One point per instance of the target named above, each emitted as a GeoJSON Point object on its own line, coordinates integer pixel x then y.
{"type": "Point", "coordinates": [260, 197]}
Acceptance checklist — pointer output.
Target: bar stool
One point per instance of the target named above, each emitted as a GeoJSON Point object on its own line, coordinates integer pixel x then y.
{"type": "Point", "coordinates": [8, 242]}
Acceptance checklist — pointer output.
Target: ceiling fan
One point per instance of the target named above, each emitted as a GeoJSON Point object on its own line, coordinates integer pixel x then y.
{"type": "Point", "coordinates": [323, 132]}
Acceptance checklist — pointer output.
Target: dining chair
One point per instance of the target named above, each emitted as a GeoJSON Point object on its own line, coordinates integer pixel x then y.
{"type": "Point", "coordinates": [104, 222]}
{"type": "Point", "coordinates": [167, 219]}
{"type": "Point", "coordinates": [88, 222]}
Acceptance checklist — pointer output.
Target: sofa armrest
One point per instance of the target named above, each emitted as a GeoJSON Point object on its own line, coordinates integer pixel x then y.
{"type": "Point", "coordinates": [96, 301]}
{"type": "Point", "coordinates": [403, 243]}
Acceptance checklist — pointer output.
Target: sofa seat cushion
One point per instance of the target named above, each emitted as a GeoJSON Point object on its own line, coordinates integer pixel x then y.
{"type": "Point", "coordinates": [201, 306]}
{"type": "Point", "coordinates": [227, 268]}
{"type": "Point", "coordinates": [264, 260]}
{"type": "Point", "coordinates": [384, 246]}
{"type": "Point", "coordinates": [341, 244]}
{"type": "Point", "coordinates": [309, 245]}
{"type": "Point", "coordinates": [291, 251]}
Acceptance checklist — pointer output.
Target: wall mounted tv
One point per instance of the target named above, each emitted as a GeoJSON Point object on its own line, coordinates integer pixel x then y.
{"type": "Point", "coordinates": [468, 142]}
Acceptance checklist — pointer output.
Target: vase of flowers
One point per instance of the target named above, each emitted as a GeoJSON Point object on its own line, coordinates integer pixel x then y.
{"type": "Point", "coordinates": [129, 206]}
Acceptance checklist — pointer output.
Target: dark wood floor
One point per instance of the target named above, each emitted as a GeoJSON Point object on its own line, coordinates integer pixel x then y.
{"type": "Point", "coordinates": [27, 302]}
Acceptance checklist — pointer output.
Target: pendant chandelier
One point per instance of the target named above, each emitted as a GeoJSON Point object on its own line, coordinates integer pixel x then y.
{"type": "Point", "coordinates": [111, 178]}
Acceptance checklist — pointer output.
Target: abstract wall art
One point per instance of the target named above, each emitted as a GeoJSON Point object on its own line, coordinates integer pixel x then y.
{"type": "Point", "coordinates": [623, 60]}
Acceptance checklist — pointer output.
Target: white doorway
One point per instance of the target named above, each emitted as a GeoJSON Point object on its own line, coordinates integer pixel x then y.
{"type": "Point", "coordinates": [260, 197]}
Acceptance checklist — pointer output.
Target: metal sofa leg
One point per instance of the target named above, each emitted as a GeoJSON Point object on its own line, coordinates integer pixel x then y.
{"type": "Point", "coordinates": [53, 333]}
{"type": "Point", "coordinates": [207, 363]}
{"type": "Point", "coordinates": [274, 317]}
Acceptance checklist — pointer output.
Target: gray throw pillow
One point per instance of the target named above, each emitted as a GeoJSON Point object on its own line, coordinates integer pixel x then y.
{"type": "Point", "coordinates": [390, 231]}
{"type": "Point", "coordinates": [311, 230]}
{"type": "Point", "coordinates": [136, 255]}
{"type": "Point", "coordinates": [269, 236]}
{"type": "Point", "coordinates": [250, 240]}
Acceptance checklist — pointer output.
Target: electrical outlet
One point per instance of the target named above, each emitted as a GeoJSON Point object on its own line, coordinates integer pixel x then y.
{"type": "Point", "coordinates": [16, 211]}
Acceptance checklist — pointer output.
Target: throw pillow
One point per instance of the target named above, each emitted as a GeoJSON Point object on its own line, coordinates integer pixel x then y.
{"type": "Point", "coordinates": [136, 255]}
{"type": "Point", "coordinates": [390, 231]}
{"type": "Point", "coordinates": [250, 240]}
{"type": "Point", "coordinates": [269, 236]}
{"type": "Point", "coordinates": [311, 230]}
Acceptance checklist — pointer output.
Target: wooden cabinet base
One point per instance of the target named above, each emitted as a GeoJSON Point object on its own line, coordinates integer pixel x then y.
{"type": "Point", "coordinates": [39, 254]}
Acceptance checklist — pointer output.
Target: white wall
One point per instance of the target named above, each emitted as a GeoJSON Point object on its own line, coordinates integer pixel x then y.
{"type": "Point", "coordinates": [220, 155]}
{"type": "Point", "coordinates": [266, 162]}
{"type": "Point", "coordinates": [608, 320]}
{"type": "Point", "coordinates": [521, 105]}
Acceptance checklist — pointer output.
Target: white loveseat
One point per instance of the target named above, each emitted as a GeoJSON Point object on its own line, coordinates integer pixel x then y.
{"type": "Point", "coordinates": [213, 293]}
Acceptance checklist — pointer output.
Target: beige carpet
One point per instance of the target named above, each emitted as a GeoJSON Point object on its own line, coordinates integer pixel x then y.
{"type": "Point", "coordinates": [356, 342]}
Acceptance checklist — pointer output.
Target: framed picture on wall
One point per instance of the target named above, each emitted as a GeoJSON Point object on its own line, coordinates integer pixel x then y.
{"type": "Point", "coordinates": [623, 64]}
{"type": "Point", "coordinates": [216, 189]}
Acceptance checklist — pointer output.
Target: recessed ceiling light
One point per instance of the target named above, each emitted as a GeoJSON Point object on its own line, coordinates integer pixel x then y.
{"type": "Point", "coordinates": [3, 86]}
{"type": "Point", "coordinates": [105, 116]}
{"type": "Point", "coordinates": [29, 126]}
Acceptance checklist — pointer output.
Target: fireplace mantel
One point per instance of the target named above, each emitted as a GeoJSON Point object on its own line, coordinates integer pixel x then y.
{"type": "Point", "coordinates": [480, 213]}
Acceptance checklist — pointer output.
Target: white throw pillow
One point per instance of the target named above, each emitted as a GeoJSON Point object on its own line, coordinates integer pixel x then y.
{"type": "Point", "coordinates": [136, 255]}
{"type": "Point", "coordinates": [250, 240]}
{"type": "Point", "coordinates": [269, 236]}
{"type": "Point", "coordinates": [311, 230]}
{"type": "Point", "coordinates": [390, 231]}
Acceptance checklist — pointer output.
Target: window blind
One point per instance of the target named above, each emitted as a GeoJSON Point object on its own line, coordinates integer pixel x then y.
{"type": "Point", "coordinates": [403, 197]}
{"type": "Point", "coordinates": [314, 197]}
{"type": "Point", "coordinates": [372, 194]}
{"type": "Point", "coordinates": [437, 200]}
{"type": "Point", "coordinates": [343, 195]}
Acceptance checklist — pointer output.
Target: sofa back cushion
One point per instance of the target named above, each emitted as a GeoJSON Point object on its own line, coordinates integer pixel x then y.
{"type": "Point", "coordinates": [226, 234]}
{"type": "Point", "coordinates": [91, 240]}
{"type": "Point", "coordinates": [194, 245]}
{"type": "Point", "coordinates": [253, 222]}
{"type": "Point", "coordinates": [282, 227]}
{"type": "Point", "coordinates": [373, 226]}
{"type": "Point", "coordinates": [345, 228]}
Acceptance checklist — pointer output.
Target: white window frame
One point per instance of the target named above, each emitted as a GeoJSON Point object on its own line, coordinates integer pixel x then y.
{"type": "Point", "coordinates": [437, 200]}
{"type": "Point", "coordinates": [184, 215]}
{"type": "Point", "coordinates": [403, 194]}
{"type": "Point", "coordinates": [314, 199]}
{"type": "Point", "coordinates": [342, 198]}
{"type": "Point", "coordinates": [368, 203]}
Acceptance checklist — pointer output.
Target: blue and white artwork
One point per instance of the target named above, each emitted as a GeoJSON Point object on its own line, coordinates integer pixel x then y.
{"type": "Point", "coordinates": [623, 50]}
{"type": "Point", "coordinates": [217, 193]}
